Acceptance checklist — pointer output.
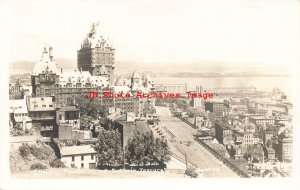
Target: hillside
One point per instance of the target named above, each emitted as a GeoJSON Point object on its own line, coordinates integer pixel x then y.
{"type": "Point", "coordinates": [61, 63]}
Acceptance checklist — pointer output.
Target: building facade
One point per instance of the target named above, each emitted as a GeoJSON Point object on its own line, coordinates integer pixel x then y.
{"type": "Point", "coordinates": [285, 146]}
{"type": "Point", "coordinates": [97, 55]}
{"type": "Point", "coordinates": [83, 157]}
{"type": "Point", "coordinates": [217, 108]}
{"type": "Point", "coordinates": [222, 132]}
{"type": "Point", "coordinates": [16, 90]}
{"type": "Point", "coordinates": [45, 77]}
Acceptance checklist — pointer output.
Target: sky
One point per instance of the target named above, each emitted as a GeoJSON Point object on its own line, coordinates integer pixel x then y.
{"type": "Point", "coordinates": [236, 31]}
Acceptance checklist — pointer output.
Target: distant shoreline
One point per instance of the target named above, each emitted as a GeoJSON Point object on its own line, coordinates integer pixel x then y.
{"type": "Point", "coordinates": [18, 71]}
{"type": "Point", "coordinates": [195, 75]}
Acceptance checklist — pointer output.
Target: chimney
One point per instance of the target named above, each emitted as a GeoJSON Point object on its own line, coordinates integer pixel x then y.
{"type": "Point", "coordinates": [51, 53]}
{"type": "Point", "coordinates": [81, 69]}
{"type": "Point", "coordinates": [61, 70]}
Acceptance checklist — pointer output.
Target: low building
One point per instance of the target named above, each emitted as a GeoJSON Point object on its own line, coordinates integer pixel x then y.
{"type": "Point", "coordinates": [250, 139]}
{"type": "Point", "coordinates": [16, 90]}
{"type": "Point", "coordinates": [18, 113]}
{"type": "Point", "coordinates": [43, 113]}
{"type": "Point", "coordinates": [127, 124]}
{"type": "Point", "coordinates": [217, 108]}
{"type": "Point", "coordinates": [270, 153]}
{"type": "Point", "coordinates": [262, 120]}
{"type": "Point", "coordinates": [69, 115]}
{"type": "Point", "coordinates": [285, 146]}
{"type": "Point", "coordinates": [79, 156]}
{"type": "Point", "coordinates": [222, 131]}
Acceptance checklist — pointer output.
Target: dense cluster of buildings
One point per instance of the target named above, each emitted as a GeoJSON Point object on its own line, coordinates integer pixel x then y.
{"type": "Point", "coordinates": [253, 123]}
{"type": "Point", "coordinates": [50, 106]}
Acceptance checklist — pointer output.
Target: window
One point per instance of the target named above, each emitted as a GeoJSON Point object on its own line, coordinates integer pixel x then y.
{"type": "Point", "coordinates": [73, 158]}
{"type": "Point", "coordinates": [92, 157]}
{"type": "Point", "coordinates": [44, 106]}
{"type": "Point", "coordinates": [82, 165]}
{"type": "Point", "coordinates": [35, 106]}
{"type": "Point", "coordinates": [50, 106]}
{"type": "Point", "coordinates": [42, 99]}
{"type": "Point", "coordinates": [82, 158]}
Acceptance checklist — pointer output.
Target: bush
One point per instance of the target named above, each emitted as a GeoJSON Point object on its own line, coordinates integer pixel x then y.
{"type": "Point", "coordinates": [41, 153]}
{"type": "Point", "coordinates": [29, 131]}
{"type": "Point", "coordinates": [38, 166]}
{"type": "Point", "coordinates": [57, 163]}
{"type": "Point", "coordinates": [24, 150]}
{"type": "Point", "coordinates": [191, 172]}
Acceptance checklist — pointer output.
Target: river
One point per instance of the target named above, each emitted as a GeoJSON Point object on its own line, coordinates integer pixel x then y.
{"type": "Point", "coordinates": [261, 83]}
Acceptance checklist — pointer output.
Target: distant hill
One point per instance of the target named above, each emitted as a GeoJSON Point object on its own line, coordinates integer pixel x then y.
{"type": "Point", "coordinates": [201, 68]}
{"type": "Point", "coordinates": [61, 63]}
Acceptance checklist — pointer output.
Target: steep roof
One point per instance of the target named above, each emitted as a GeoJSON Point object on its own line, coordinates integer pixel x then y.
{"type": "Point", "coordinates": [45, 65]}
{"type": "Point", "coordinates": [135, 75]}
{"type": "Point", "coordinates": [95, 39]}
{"type": "Point", "coordinates": [82, 77]}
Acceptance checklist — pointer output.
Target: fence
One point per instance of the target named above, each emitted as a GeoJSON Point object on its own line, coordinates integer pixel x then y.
{"type": "Point", "coordinates": [234, 168]}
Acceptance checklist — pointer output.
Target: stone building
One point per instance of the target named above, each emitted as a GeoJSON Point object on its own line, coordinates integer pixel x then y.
{"type": "Point", "coordinates": [16, 90]}
{"type": "Point", "coordinates": [96, 55]}
{"type": "Point", "coordinates": [45, 77]}
{"type": "Point", "coordinates": [285, 146]}
{"type": "Point", "coordinates": [223, 133]}
{"type": "Point", "coordinates": [78, 83]}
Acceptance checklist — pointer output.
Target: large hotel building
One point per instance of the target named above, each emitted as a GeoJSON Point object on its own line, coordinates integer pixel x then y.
{"type": "Point", "coordinates": [96, 55]}
{"type": "Point", "coordinates": [95, 73]}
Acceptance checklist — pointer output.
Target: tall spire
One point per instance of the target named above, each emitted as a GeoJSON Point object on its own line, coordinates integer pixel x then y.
{"type": "Point", "coordinates": [135, 74]}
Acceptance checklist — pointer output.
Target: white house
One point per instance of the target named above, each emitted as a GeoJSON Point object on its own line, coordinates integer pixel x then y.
{"type": "Point", "coordinates": [19, 113]}
{"type": "Point", "coordinates": [79, 156]}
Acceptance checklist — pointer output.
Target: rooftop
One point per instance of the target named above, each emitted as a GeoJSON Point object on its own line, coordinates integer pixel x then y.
{"type": "Point", "coordinates": [46, 64]}
{"type": "Point", "coordinates": [95, 39]}
{"type": "Point", "coordinates": [82, 77]}
{"type": "Point", "coordinates": [18, 106]}
{"type": "Point", "coordinates": [261, 117]}
{"type": "Point", "coordinates": [41, 104]}
{"type": "Point", "coordinates": [74, 150]}
{"type": "Point", "coordinates": [69, 108]}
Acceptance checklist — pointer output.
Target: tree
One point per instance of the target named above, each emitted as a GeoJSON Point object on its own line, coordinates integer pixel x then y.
{"type": "Point", "coordinates": [194, 112]}
{"type": "Point", "coordinates": [109, 148]}
{"type": "Point", "coordinates": [24, 150]}
{"type": "Point", "coordinates": [144, 149]}
{"type": "Point", "coordinates": [90, 107]}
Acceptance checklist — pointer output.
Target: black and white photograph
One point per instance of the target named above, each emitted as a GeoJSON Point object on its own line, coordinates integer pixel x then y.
{"type": "Point", "coordinates": [150, 90]}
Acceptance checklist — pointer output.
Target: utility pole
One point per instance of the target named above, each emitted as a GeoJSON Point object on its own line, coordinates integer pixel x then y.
{"type": "Point", "coordinates": [123, 159]}
{"type": "Point", "coordinates": [186, 164]}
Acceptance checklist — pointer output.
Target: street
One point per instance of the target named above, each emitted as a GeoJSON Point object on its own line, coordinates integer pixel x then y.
{"type": "Point", "coordinates": [184, 143]}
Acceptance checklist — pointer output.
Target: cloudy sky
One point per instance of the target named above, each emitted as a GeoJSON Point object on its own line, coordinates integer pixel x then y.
{"type": "Point", "coordinates": [249, 32]}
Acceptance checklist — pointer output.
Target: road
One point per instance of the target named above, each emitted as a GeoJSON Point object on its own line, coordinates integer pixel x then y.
{"type": "Point", "coordinates": [196, 154]}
